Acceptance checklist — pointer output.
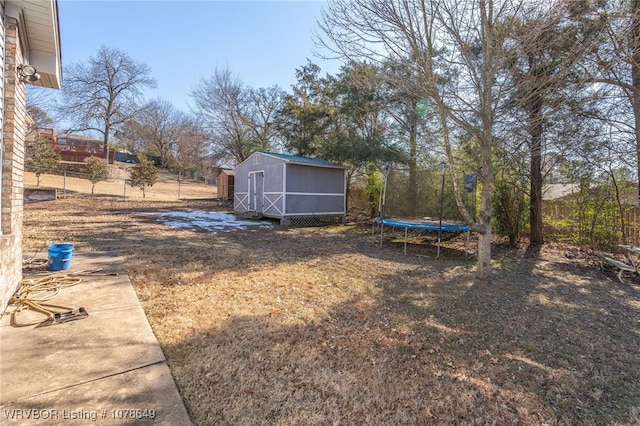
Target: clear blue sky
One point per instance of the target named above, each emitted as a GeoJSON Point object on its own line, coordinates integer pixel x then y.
{"type": "Point", "coordinates": [261, 42]}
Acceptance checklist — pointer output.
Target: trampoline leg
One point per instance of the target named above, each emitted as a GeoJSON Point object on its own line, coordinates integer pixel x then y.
{"type": "Point", "coordinates": [406, 230]}
{"type": "Point", "coordinates": [468, 239]}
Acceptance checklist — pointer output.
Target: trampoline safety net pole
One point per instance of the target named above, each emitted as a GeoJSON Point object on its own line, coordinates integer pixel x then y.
{"type": "Point", "coordinates": [442, 165]}
{"type": "Point", "coordinates": [383, 197]}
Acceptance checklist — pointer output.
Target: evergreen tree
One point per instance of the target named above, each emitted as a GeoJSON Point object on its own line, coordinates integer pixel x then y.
{"type": "Point", "coordinates": [40, 157]}
{"type": "Point", "coordinates": [96, 171]}
{"type": "Point", "coordinates": [309, 116]}
{"type": "Point", "coordinates": [143, 174]}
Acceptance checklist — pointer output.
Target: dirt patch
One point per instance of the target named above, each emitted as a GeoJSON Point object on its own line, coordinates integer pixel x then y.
{"type": "Point", "coordinates": [321, 326]}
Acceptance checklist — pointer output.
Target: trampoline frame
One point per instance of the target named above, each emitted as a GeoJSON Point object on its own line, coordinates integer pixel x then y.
{"type": "Point", "coordinates": [422, 226]}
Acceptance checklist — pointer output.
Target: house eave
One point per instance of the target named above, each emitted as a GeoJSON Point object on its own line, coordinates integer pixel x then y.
{"type": "Point", "coordinates": [40, 22]}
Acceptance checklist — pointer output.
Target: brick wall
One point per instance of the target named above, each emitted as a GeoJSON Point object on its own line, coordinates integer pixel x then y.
{"type": "Point", "coordinates": [11, 212]}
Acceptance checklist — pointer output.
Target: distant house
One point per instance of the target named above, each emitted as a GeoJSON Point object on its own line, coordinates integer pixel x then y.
{"type": "Point", "coordinates": [78, 148]}
{"type": "Point", "coordinates": [225, 182]}
{"type": "Point", "coordinates": [628, 191]}
{"type": "Point", "coordinates": [553, 191]}
{"type": "Point", "coordinates": [29, 54]}
{"type": "Point", "coordinates": [296, 190]}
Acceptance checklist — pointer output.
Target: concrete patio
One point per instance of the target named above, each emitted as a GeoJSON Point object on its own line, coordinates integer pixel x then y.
{"type": "Point", "coordinates": [107, 368]}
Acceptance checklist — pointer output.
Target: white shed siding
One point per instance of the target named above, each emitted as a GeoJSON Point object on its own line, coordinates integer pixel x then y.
{"type": "Point", "coordinates": [289, 187]}
{"type": "Point", "coordinates": [314, 190]}
{"type": "Point", "coordinates": [270, 189]}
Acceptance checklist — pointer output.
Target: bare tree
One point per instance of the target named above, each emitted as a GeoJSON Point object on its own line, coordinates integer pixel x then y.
{"type": "Point", "coordinates": [191, 147]}
{"type": "Point", "coordinates": [40, 102]}
{"type": "Point", "coordinates": [239, 120]}
{"type": "Point", "coordinates": [262, 107]}
{"type": "Point", "coordinates": [160, 128]}
{"type": "Point", "coordinates": [220, 103]}
{"type": "Point", "coordinates": [130, 136]}
{"type": "Point", "coordinates": [457, 50]}
{"type": "Point", "coordinates": [104, 93]}
{"type": "Point", "coordinates": [613, 59]}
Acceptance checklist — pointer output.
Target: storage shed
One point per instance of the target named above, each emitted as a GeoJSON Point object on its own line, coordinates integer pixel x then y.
{"type": "Point", "coordinates": [225, 182]}
{"type": "Point", "coordinates": [296, 190]}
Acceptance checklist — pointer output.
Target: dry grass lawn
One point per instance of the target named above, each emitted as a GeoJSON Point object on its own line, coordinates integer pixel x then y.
{"type": "Point", "coordinates": [165, 189]}
{"type": "Point", "coordinates": [299, 326]}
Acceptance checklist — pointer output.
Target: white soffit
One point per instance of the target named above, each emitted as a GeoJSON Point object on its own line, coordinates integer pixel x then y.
{"type": "Point", "coordinates": [40, 22]}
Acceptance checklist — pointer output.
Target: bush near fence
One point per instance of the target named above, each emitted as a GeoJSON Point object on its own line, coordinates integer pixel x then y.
{"type": "Point", "coordinates": [599, 225]}
{"type": "Point", "coordinates": [594, 223]}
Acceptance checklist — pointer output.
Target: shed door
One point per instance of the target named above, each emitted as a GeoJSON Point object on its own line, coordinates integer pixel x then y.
{"type": "Point", "coordinates": [256, 191]}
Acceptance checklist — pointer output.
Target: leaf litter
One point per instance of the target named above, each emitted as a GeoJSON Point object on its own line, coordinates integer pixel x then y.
{"type": "Point", "coordinates": [321, 326]}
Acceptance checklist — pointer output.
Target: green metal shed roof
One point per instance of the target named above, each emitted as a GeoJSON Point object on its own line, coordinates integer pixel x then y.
{"type": "Point", "coordinates": [304, 160]}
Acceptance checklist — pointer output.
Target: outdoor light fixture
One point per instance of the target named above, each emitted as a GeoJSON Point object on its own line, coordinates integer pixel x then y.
{"type": "Point", "coordinates": [28, 73]}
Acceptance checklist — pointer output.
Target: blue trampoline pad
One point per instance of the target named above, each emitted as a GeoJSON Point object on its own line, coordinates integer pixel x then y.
{"type": "Point", "coordinates": [427, 226]}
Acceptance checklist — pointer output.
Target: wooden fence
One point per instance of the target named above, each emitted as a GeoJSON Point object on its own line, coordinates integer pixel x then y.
{"type": "Point", "coordinates": [602, 226]}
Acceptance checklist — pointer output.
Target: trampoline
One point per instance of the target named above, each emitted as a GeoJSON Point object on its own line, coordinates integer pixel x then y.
{"type": "Point", "coordinates": [422, 226]}
{"type": "Point", "coordinates": [422, 223]}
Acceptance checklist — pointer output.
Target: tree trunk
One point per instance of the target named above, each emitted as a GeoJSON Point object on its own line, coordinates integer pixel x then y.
{"type": "Point", "coordinates": [483, 270]}
{"type": "Point", "coordinates": [413, 168]}
{"type": "Point", "coordinates": [635, 77]}
{"type": "Point", "coordinates": [536, 236]}
{"type": "Point", "coordinates": [636, 117]}
{"type": "Point", "coordinates": [105, 141]}
{"type": "Point", "coordinates": [347, 192]}
{"type": "Point", "coordinates": [535, 207]}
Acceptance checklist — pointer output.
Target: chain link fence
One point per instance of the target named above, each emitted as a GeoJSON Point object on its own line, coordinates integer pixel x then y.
{"type": "Point", "coordinates": [72, 182]}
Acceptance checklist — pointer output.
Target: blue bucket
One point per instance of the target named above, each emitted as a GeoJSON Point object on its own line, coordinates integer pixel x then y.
{"type": "Point", "coordinates": [59, 257]}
